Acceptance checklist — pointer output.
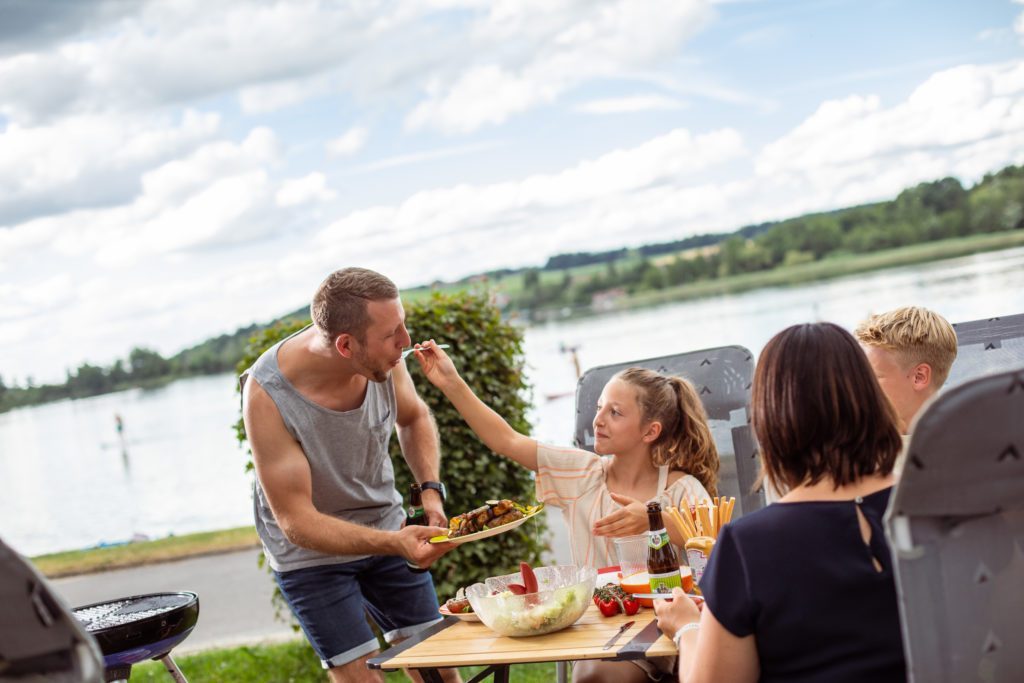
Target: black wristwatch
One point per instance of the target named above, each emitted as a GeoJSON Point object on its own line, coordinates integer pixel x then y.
{"type": "Point", "coordinates": [437, 486]}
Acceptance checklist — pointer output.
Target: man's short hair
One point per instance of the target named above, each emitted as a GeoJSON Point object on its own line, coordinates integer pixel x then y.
{"type": "Point", "coordinates": [915, 335]}
{"type": "Point", "coordinates": [339, 305]}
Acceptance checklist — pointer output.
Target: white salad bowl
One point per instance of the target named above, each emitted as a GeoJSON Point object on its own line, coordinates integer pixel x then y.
{"type": "Point", "coordinates": [563, 595]}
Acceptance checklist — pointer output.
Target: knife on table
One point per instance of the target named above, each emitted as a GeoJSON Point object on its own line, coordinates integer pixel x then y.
{"type": "Point", "coordinates": [618, 634]}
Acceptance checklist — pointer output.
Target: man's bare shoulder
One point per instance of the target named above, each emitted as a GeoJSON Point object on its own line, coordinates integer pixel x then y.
{"type": "Point", "coordinates": [257, 403]}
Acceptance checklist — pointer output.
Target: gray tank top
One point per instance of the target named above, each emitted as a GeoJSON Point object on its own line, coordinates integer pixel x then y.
{"type": "Point", "coordinates": [352, 475]}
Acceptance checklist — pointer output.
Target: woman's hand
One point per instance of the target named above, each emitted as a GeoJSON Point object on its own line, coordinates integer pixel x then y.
{"type": "Point", "coordinates": [436, 364]}
{"type": "Point", "coordinates": [673, 614]}
{"type": "Point", "coordinates": [628, 520]}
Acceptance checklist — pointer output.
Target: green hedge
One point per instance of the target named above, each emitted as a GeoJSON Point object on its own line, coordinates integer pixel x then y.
{"type": "Point", "coordinates": [489, 355]}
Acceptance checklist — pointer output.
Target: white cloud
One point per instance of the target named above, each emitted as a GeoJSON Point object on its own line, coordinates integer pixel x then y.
{"type": "Point", "coordinates": [312, 188]}
{"type": "Point", "coordinates": [548, 48]}
{"type": "Point", "coordinates": [430, 155]}
{"type": "Point", "coordinates": [220, 193]}
{"type": "Point", "coordinates": [88, 160]}
{"type": "Point", "coordinates": [236, 44]}
{"type": "Point", "coordinates": [349, 142]}
{"type": "Point", "coordinates": [855, 149]}
{"type": "Point", "coordinates": [628, 195]}
{"type": "Point", "coordinates": [483, 95]}
{"type": "Point", "coordinates": [260, 99]}
{"type": "Point", "coordinates": [631, 104]}
{"type": "Point", "coordinates": [475, 63]}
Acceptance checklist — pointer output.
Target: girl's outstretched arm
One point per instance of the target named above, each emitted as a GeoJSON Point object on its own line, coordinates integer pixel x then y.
{"type": "Point", "coordinates": [490, 427]}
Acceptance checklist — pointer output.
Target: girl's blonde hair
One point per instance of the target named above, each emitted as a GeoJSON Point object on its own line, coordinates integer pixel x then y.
{"type": "Point", "coordinates": [685, 442]}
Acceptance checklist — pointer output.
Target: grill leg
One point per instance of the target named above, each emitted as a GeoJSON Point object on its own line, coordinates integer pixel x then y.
{"type": "Point", "coordinates": [117, 674]}
{"type": "Point", "coordinates": [172, 668]}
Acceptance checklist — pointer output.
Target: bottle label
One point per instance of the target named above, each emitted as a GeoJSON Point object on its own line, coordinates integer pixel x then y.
{"type": "Point", "coordinates": [414, 513]}
{"type": "Point", "coordinates": [664, 583]}
{"type": "Point", "coordinates": [657, 539]}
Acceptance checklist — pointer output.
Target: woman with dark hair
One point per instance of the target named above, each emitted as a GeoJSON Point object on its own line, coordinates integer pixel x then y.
{"type": "Point", "coordinates": [803, 589]}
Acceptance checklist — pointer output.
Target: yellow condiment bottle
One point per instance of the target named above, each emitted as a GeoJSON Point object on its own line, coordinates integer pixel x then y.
{"type": "Point", "coordinates": [698, 550]}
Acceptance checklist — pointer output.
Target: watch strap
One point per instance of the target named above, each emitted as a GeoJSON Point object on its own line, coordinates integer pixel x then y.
{"type": "Point", "coordinates": [436, 486]}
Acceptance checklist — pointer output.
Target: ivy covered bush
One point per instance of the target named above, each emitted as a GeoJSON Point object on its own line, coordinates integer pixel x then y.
{"type": "Point", "coordinates": [489, 355]}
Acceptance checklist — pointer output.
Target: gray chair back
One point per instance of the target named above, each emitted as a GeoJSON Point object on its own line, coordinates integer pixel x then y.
{"type": "Point", "coordinates": [986, 347]}
{"type": "Point", "coordinates": [722, 377]}
{"type": "Point", "coordinates": [956, 527]}
{"type": "Point", "coordinates": [39, 638]}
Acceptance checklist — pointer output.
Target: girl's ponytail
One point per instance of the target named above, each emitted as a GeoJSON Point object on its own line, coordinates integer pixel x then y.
{"type": "Point", "coordinates": [685, 442]}
{"type": "Point", "coordinates": [691, 448]}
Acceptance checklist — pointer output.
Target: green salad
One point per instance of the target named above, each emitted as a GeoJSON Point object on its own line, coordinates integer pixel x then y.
{"type": "Point", "coordinates": [564, 607]}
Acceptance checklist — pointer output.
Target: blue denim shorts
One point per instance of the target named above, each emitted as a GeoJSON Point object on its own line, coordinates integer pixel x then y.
{"type": "Point", "coordinates": [328, 602]}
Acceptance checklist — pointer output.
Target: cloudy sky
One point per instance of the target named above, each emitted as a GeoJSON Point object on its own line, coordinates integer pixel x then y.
{"type": "Point", "coordinates": [174, 170]}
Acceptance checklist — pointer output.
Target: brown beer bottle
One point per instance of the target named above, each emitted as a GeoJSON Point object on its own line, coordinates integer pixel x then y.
{"type": "Point", "coordinates": [415, 516]}
{"type": "Point", "coordinates": [662, 562]}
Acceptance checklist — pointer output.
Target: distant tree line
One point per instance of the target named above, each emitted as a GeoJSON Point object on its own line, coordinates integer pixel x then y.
{"type": "Point", "coordinates": [928, 212]}
{"type": "Point", "coordinates": [143, 367]}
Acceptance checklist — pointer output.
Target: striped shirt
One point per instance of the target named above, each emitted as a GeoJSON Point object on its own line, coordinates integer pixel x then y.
{"type": "Point", "coordinates": [575, 481]}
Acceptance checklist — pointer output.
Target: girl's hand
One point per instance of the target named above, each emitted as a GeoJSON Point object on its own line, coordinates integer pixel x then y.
{"type": "Point", "coordinates": [630, 519]}
{"type": "Point", "coordinates": [436, 364]}
{"type": "Point", "coordinates": [673, 614]}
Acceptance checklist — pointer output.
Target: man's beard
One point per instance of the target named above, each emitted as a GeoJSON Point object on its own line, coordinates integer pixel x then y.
{"type": "Point", "coordinates": [373, 373]}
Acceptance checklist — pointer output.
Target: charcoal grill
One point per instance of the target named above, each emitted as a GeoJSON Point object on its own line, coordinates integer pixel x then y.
{"type": "Point", "coordinates": [131, 630]}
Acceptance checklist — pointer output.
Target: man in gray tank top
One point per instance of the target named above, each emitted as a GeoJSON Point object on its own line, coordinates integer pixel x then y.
{"type": "Point", "coordinates": [319, 408]}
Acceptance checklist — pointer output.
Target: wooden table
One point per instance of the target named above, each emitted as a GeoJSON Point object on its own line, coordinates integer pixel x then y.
{"type": "Point", "coordinates": [455, 643]}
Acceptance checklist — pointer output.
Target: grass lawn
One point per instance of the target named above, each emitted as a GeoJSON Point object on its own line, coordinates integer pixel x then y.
{"type": "Point", "coordinates": [292, 662]}
{"type": "Point", "coordinates": [147, 552]}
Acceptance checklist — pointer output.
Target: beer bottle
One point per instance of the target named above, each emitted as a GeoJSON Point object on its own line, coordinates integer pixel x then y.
{"type": "Point", "coordinates": [414, 515]}
{"type": "Point", "coordinates": [662, 562]}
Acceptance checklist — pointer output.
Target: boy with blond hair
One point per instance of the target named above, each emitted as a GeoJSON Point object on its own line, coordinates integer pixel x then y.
{"type": "Point", "coordinates": [911, 350]}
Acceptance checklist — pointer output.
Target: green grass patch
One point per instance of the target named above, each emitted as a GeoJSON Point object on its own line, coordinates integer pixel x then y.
{"type": "Point", "coordinates": [72, 562]}
{"type": "Point", "coordinates": [291, 662]}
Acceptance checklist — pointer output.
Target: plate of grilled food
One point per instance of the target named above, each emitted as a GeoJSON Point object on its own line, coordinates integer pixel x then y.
{"type": "Point", "coordinates": [496, 517]}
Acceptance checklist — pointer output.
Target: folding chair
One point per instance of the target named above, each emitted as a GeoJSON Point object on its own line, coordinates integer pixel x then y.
{"type": "Point", "coordinates": [722, 377]}
{"type": "Point", "coordinates": [986, 347]}
{"type": "Point", "coordinates": [41, 639]}
{"type": "Point", "coordinates": [956, 527]}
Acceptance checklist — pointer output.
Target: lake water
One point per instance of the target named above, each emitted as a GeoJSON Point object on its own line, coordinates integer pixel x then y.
{"type": "Point", "coordinates": [68, 481]}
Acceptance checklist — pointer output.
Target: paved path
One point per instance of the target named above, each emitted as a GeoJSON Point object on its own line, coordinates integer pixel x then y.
{"type": "Point", "coordinates": [234, 593]}
{"type": "Point", "coordinates": [234, 596]}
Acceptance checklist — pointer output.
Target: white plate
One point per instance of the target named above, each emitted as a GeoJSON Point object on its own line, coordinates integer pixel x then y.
{"type": "Point", "coordinates": [464, 616]}
{"type": "Point", "coordinates": [487, 533]}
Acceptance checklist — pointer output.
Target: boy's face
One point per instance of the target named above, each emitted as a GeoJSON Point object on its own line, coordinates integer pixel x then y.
{"type": "Point", "coordinates": [906, 388]}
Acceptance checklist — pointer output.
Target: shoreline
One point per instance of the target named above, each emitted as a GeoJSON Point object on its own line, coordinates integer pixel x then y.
{"type": "Point", "coordinates": [826, 269]}
{"type": "Point", "coordinates": [829, 268]}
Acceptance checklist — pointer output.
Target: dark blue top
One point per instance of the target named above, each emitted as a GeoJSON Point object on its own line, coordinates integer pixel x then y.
{"type": "Point", "coordinates": [800, 578]}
